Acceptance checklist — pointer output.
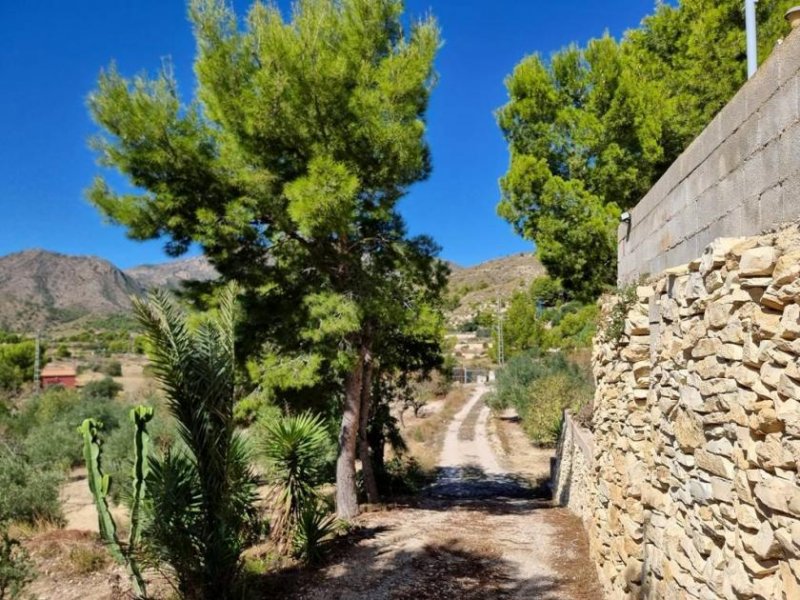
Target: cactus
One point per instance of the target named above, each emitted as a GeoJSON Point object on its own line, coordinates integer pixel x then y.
{"type": "Point", "coordinates": [141, 415]}
{"type": "Point", "coordinates": [99, 484]}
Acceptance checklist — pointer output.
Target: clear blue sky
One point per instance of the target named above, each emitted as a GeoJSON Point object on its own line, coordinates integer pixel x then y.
{"type": "Point", "coordinates": [52, 51]}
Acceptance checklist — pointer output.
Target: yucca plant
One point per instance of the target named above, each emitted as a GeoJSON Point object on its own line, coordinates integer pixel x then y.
{"type": "Point", "coordinates": [315, 528]}
{"type": "Point", "coordinates": [201, 492]}
{"type": "Point", "coordinates": [293, 446]}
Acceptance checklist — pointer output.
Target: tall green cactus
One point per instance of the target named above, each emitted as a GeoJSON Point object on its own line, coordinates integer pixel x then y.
{"type": "Point", "coordinates": [141, 415]}
{"type": "Point", "coordinates": [99, 484]}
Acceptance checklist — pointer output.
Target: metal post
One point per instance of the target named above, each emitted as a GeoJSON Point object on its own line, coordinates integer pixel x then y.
{"type": "Point", "coordinates": [752, 41]}
{"type": "Point", "coordinates": [37, 365]}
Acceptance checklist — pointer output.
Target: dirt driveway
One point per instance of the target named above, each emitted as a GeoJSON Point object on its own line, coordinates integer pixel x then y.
{"type": "Point", "coordinates": [482, 530]}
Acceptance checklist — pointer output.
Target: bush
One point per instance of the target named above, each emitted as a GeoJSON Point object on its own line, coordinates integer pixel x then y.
{"type": "Point", "coordinates": [16, 567]}
{"type": "Point", "coordinates": [293, 447]}
{"type": "Point", "coordinates": [29, 493]}
{"type": "Point", "coordinates": [104, 388]}
{"type": "Point", "coordinates": [540, 388]}
{"type": "Point", "coordinates": [112, 368]}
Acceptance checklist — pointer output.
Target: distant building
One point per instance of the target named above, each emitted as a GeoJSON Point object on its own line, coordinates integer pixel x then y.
{"type": "Point", "coordinates": [55, 374]}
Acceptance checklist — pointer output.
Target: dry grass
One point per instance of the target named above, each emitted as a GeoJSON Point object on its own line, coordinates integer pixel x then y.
{"type": "Point", "coordinates": [425, 434]}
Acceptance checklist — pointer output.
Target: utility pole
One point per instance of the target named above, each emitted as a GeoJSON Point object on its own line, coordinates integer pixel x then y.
{"type": "Point", "coordinates": [501, 350]}
{"type": "Point", "coordinates": [37, 364]}
{"type": "Point", "coordinates": [752, 38]}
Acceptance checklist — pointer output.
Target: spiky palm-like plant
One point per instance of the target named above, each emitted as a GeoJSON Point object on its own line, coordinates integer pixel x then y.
{"type": "Point", "coordinates": [293, 446]}
{"type": "Point", "coordinates": [201, 493]}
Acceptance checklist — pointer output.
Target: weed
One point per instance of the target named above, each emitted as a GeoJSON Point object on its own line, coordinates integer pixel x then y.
{"type": "Point", "coordinates": [86, 559]}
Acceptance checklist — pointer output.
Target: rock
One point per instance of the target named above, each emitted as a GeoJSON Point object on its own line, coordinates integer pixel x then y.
{"type": "Point", "coordinates": [710, 367]}
{"type": "Point", "coordinates": [790, 322]}
{"type": "Point", "coordinates": [717, 314]}
{"type": "Point", "coordinates": [763, 544]}
{"type": "Point", "coordinates": [756, 282]}
{"type": "Point", "coordinates": [747, 517]}
{"type": "Point", "coordinates": [733, 352]}
{"type": "Point", "coordinates": [716, 252]}
{"type": "Point", "coordinates": [706, 347]}
{"type": "Point", "coordinates": [744, 375]}
{"type": "Point", "coordinates": [787, 268]}
{"type": "Point", "coordinates": [758, 261]}
{"type": "Point", "coordinates": [767, 324]}
{"type": "Point", "coordinates": [771, 374]}
{"type": "Point", "coordinates": [789, 582]}
{"type": "Point", "coordinates": [714, 464]}
{"type": "Point", "coordinates": [788, 388]}
{"type": "Point", "coordinates": [772, 300]}
{"type": "Point", "coordinates": [688, 431]}
{"type": "Point", "coordinates": [779, 494]}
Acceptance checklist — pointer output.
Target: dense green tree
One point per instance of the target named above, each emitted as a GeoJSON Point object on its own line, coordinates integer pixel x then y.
{"type": "Point", "coordinates": [591, 130]}
{"type": "Point", "coordinates": [286, 169]}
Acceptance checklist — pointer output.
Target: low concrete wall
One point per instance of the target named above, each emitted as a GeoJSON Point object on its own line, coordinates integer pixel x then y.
{"type": "Point", "coordinates": [740, 176]}
{"type": "Point", "coordinates": [570, 477]}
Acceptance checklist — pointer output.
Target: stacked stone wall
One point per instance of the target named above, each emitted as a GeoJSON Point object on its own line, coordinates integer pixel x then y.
{"type": "Point", "coordinates": [693, 487]}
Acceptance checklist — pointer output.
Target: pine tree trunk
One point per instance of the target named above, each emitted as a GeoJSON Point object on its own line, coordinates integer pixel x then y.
{"type": "Point", "coordinates": [370, 483]}
{"type": "Point", "coordinates": [346, 492]}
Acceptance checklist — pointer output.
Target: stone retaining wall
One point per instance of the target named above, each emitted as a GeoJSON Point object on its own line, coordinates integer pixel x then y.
{"type": "Point", "coordinates": [570, 477]}
{"type": "Point", "coordinates": [693, 487]}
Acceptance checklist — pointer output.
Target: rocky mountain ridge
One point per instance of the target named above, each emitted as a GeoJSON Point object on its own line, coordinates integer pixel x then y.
{"type": "Point", "coordinates": [39, 288]}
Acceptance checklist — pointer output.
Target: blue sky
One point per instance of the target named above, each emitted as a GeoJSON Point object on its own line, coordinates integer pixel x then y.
{"type": "Point", "coordinates": [52, 51]}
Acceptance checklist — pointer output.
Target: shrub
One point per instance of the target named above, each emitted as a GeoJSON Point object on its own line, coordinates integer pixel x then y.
{"type": "Point", "coordinates": [104, 388]}
{"type": "Point", "coordinates": [314, 530]}
{"type": "Point", "coordinates": [293, 446]}
{"type": "Point", "coordinates": [29, 493]}
{"type": "Point", "coordinates": [548, 398]}
{"type": "Point", "coordinates": [112, 368]}
{"type": "Point", "coordinates": [85, 560]}
{"type": "Point", "coordinates": [16, 567]}
{"type": "Point", "coordinates": [540, 388]}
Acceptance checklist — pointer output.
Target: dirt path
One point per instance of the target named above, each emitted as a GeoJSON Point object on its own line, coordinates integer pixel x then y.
{"type": "Point", "coordinates": [480, 531]}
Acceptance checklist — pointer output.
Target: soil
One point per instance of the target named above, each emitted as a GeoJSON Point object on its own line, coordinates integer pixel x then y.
{"type": "Point", "coordinates": [485, 528]}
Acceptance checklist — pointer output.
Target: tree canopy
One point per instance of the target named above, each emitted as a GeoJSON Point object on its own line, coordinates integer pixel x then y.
{"type": "Point", "coordinates": [591, 129]}
{"type": "Point", "coordinates": [286, 168]}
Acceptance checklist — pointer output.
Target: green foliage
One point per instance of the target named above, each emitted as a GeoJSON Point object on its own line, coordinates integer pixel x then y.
{"type": "Point", "coordinates": [113, 368]}
{"type": "Point", "coordinates": [294, 446]}
{"type": "Point", "coordinates": [16, 567]}
{"type": "Point", "coordinates": [546, 291]}
{"type": "Point", "coordinates": [314, 530]}
{"type": "Point", "coordinates": [30, 492]}
{"type": "Point", "coordinates": [103, 388]}
{"type": "Point", "coordinates": [625, 299]}
{"type": "Point", "coordinates": [288, 171]}
{"type": "Point", "coordinates": [539, 320]}
{"type": "Point", "coordinates": [16, 363]}
{"type": "Point", "coordinates": [201, 492]}
{"type": "Point", "coordinates": [593, 128]}
{"type": "Point", "coordinates": [540, 388]}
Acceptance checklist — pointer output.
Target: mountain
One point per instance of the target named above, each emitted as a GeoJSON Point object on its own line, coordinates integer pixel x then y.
{"type": "Point", "coordinates": [173, 274]}
{"type": "Point", "coordinates": [39, 288]}
{"type": "Point", "coordinates": [42, 289]}
{"type": "Point", "coordinates": [478, 288]}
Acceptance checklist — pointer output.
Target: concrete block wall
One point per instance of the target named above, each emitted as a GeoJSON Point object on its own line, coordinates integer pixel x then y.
{"type": "Point", "coordinates": [739, 177]}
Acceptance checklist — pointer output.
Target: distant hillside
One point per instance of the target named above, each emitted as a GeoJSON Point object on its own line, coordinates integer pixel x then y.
{"type": "Point", "coordinates": [39, 288]}
{"type": "Point", "coordinates": [173, 274]}
{"type": "Point", "coordinates": [478, 288]}
{"type": "Point", "coordinates": [43, 289]}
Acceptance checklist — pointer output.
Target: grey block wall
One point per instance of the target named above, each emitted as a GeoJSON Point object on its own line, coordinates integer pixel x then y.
{"type": "Point", "coordinates": [740, 176]}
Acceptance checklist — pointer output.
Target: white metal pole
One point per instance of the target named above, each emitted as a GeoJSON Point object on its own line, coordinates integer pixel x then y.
{"type": "Point", "coordinates": [752, 42]}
